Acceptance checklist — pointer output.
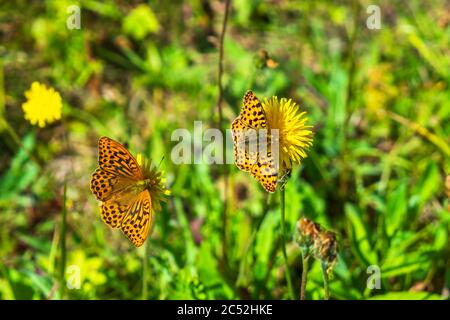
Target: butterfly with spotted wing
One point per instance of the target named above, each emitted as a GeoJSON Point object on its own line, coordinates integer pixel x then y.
{"type": "Point", "coordinates": [128, 191]}
{"type": "Point", "coordinates": [253, 142]}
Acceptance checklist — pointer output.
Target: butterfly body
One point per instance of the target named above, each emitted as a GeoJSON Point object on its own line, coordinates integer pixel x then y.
{"type": "Point", "coordinates": [125, 189]}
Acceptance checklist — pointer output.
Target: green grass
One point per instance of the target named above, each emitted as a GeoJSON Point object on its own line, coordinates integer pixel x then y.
{"type": "Point", "coordinates": [379, 101]}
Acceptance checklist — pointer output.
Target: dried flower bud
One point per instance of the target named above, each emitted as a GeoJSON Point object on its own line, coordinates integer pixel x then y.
{"type": "Point", "coordinates": [325, 249]}
{"type": "Point", "coordinates": [307, 232]}
{"type": "Point", "coordinates": [315, 240]}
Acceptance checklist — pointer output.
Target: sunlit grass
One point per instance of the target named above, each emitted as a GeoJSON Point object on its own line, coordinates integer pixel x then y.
{"type": "Point", "coordinates": [378, 101]}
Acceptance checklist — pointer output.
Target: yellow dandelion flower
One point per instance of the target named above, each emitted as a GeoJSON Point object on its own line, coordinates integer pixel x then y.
{"type": "Point", "coordinates": [158, 191]}
{"type": "Point", "coordinates": [294, 135]}
{"type": "Point", "coordinates": [43, 105]}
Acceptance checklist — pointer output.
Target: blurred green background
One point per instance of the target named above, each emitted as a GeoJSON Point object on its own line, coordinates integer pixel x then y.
{"type": "Point", "coordinates": [379, 101]}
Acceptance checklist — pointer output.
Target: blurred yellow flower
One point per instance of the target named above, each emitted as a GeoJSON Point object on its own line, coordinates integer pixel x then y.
{"type": "Point", "coordinates": [380, 88]}
{"type": "Point", "coordinates": [85, 271]}
{"type": "Point", "coordinates": [294, 135]}
{"type": "Point", "coordinates": [43, 105]}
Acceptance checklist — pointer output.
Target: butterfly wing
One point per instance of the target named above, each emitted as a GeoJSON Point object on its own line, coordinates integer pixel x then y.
{"type": "Point", "coordinates": [266, 172]}
{"type": "Point", "coordinates": [106, 185]}
{"type": "Point", "coordinates": [244, 130]}
{"type": "Point", "coordinates": [252, 114]}
{"type": "Point", "coordinates": [138, 219]}
{"type": "Point", "coordinates": [261, 166]}
{"type": "Point", "coordinates": [244, 156]}
{"type": "Point", "coordinates": [132, 213]}
{"type": "Point", "coordinates": [115, 158]}
{"type": "Point", "coordinates": [113, 212]}
{"type": "Point", "coordinates": [117, 173]}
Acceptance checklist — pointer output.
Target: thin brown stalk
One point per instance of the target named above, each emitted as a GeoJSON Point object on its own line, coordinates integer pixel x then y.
{"type": "Point", "coordinates": [219, 106]}
{"type": "Point", "coordinates": [351, 60]}
{"type": "Point", "coordinates": [220, 69]}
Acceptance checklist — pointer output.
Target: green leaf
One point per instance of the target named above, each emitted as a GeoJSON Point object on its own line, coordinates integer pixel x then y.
{"type": "Point", "coordinates": [140, 22]}
{"type": "Point", "coordinates": [359, 236]}
{"type": "Point", "coordinates": [20, 285]}
{"type": "Point", "coordinates": [41, 283]}
{"type": "Point", "coordinates": [433, 58]}
{"type": "Point", "coordinates": [407, 295]}
{"type": "Point", "coordinates": [22, 171]}
{"type": "Point", "coordinates": [430, 182]}
{"type": "Point", "coordinates": [405, 267]}
{"type": "Point", "coordinates": [103, 8]}
{"type": "Point", "coordinates": [35, 243]}
{"type": "Point", "coordinates": [396, 209]}
{"type": "Point", "coordinates": [441, 240]}
{"type": "Point", "coordinates": [208, 270]}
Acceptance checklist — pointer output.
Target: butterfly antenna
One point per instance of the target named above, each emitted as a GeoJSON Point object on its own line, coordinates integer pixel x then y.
{"type": "Point", "coordinates": [160, 162]}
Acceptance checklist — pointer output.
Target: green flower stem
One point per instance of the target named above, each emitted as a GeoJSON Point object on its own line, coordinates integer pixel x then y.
{"type": "Point", "coordinates": [145, 271]}
{"type": "Point", "coordinates": [325, 281]}
{"type": "Point", "coordinates": [283, 246]}
{"type": "Point", "coordinates": [62, 270]}
{"type": "Point", "coordinates": [241, 278]}
{"type": "Point", "coordinates": [305, 259]}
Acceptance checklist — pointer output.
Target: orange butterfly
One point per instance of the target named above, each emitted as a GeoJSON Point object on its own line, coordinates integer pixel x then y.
{"type": "Point", "coordinates": [126, 190]}
{"type": "Point", "coordinates": [261, 165]}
